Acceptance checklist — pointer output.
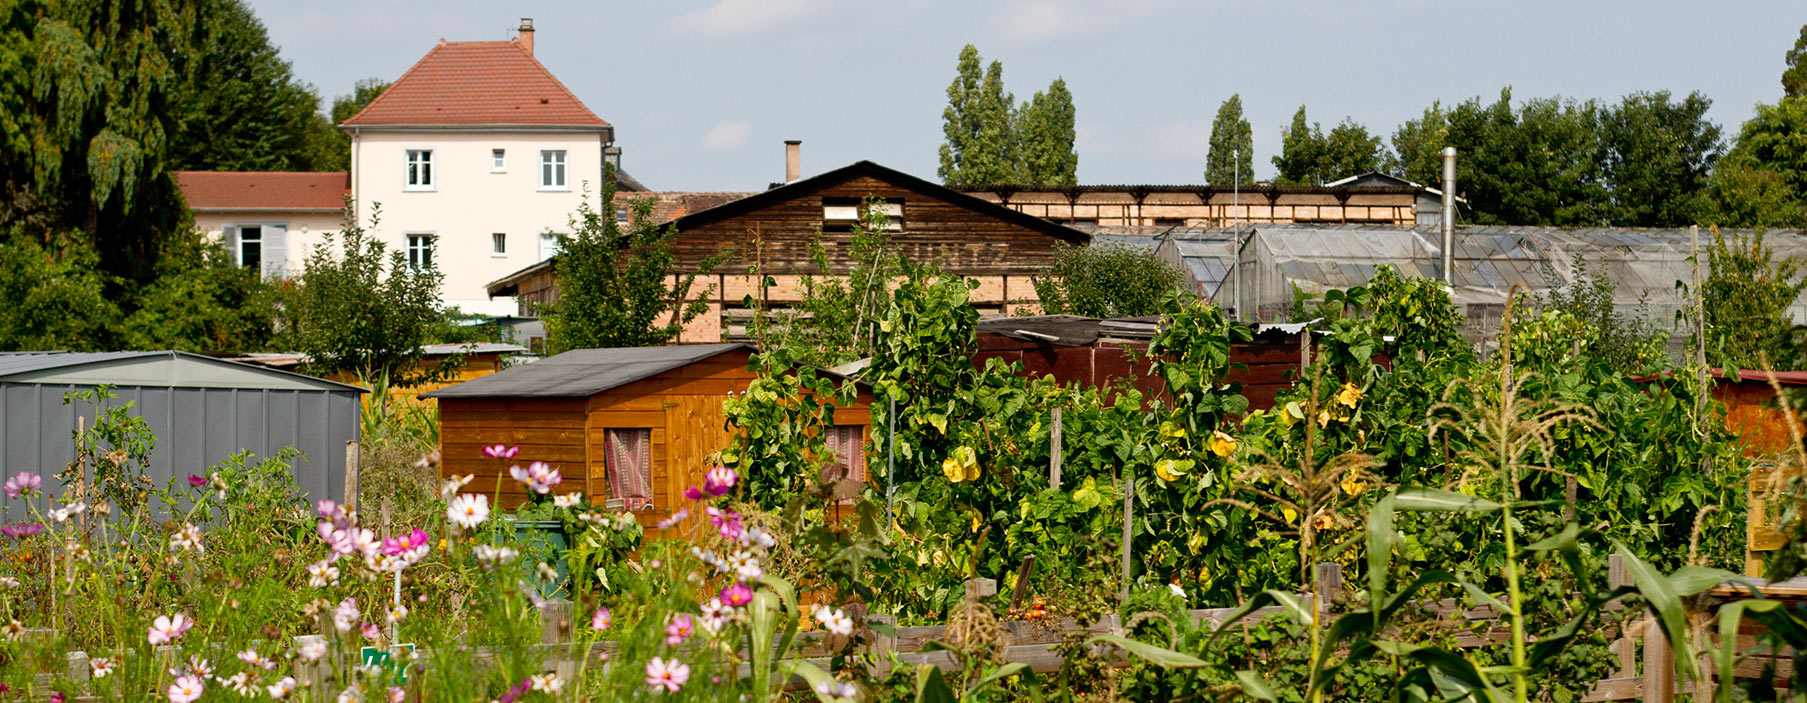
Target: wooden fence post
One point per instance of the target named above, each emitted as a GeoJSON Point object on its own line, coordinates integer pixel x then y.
{"type": "Point", "coordinates": [1618, 574]}
{"type": "Point", "coordinates": [1022, 581]}
{"type": "Point", "coordinates": [1054, 450]}
{"type": "Point", "coordinates": [1659, 665]}
{"type": "Point", "coordinates": [1327, 582]}
{"type": "Point", "coordinates": [555, 629]}
{"type": "Point", "coordinates": [881, 646]}
{"type": "Point", "coordinates": [351, 475]}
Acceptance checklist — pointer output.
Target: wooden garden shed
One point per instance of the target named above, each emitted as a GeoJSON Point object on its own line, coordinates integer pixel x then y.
{"type": "Point", "coordinates": [633, 425]}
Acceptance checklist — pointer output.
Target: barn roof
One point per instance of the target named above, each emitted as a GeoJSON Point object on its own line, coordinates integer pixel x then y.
{"type": "Point", "coordinates": [152, 369]}
{"type": "Point", "coordinates": [581, 373]}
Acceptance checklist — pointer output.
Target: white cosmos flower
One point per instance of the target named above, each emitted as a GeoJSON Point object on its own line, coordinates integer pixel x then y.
{"type": "Point", "coordinates": [566, 500]}
{"type": "Point", "coordinates": [468, 511]}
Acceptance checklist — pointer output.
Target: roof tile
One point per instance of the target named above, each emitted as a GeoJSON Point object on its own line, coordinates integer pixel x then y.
{"type": "Point", "coordinates": [476, 83]}
{"type": "Point", "coordinates": [264, 190]}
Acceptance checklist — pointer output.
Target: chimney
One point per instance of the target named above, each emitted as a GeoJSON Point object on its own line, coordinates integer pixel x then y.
{"type": "Point", "coordinates": [793, 160]}
{"type": "Point", "coordinates": [526, 36]}
{"type": "Point", "coordinates": [1449, 216]}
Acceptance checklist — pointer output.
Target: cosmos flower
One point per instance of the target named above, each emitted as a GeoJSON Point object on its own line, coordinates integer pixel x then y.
{"type": "Point", "coordinates": [546, 683]}
{"type": "Point", "coordinates": [186, 689]}
{"type": "Point", "coordinates": [251, 658]}
{"type": "Point", "coordinates": [492, 556]}
{"type": "Point", "coordinates": [501, 451]}
{"type": "Point", "coordinates": [601, 619]}
{"type": "Point", "coordinates": [22, 530]}
{"type": "Point", "coordinates": [538, 477]}
{"type": "Point", "coordinates": [674, 519]}
{"type": "Point", "coordinates": [23, 484]}
{"type": "Point", "coordinates": [310, 651]}
{"type": "Point", "coordinates": [196, 480]}
{"type": "Point", "coordinates": [166, 628]}
{"type": "Point", "coordinates": [346, 615]}
{"type": "Point", "coordinates": [667, 676]}
{"type": "Point", "coordinates": [679, 629]}
{"type": "Point", "coordinates": [567, 500]}
{"type": "Point", "coordinates": [281, 689]}
{"type": "Point", "coordinates": [100, 667]}
{"type": "Point", "coordinates": [188, 539]}
{"type": "Point", "coordinates": [735, 595]}
{"type": "Point", "coordinates": [835, 621]}
{"type": "Point", "coordinates": [468, 511]}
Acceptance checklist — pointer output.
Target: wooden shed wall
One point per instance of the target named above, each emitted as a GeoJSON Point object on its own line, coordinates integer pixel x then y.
{"type": "Point", "coordinates": [549, 430]}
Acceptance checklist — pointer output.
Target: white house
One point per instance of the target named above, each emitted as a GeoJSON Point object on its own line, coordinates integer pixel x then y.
{"type": "Point", "coordinates": [477, 156]}
{"type": "Point", "coordinates": [267, 219]}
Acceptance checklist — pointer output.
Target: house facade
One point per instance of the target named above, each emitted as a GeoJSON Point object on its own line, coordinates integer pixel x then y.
{"type": "Point", "coordinates": [998, 247]}
{"type": "Point", "coordinates": [267, 220]}
{"type": "Point", "coordinates": [476, 157]}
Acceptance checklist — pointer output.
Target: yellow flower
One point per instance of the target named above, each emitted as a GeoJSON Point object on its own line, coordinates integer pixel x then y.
{"type": "Point", "coordinates": [1349, 395]}
{"type": "Point", "coordinates": [1164, 469]}
{"type": "Point", "coordinates": [1290, 514]}
{"type": "Point", "coordinates": [962, 464]}
{"type": "Point", "coordinates": [1352, 484]}
{"type": "Point", "coordinates": [952, 469]}
{"type": "Point", "coordinates": [1222, 444]}
{"type": "Point", "coordinates": [1168, 429]}
{"type": "Point", "coordinates": [1323, 418]}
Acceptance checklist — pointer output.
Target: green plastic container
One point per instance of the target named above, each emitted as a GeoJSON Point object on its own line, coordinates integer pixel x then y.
{"type": "Point", "coordinates": [544, 540]}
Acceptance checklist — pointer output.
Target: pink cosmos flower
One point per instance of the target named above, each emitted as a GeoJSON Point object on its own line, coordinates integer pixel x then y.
{"type": "Point", "coordinates": [726, 521]}
{"type": "Point", "coordinates": [58, 697]}
{"type": "Point", "coordinates": [166, 628]}
{"type": "Point", "coordinates": [501, 451]}
{"type": "Point", "coordinates": [735, 595]}
{"type": "Point", "coordinates": [328, 510]}
{"type": "Point", "coordinates": [23, 484]}
{"type": "Point", "coordinates": [669, 676]}
{"type": "Point", "coordinates": [186, 689]}
{"type": "Point", "coordinates": [346, 615]}
{"type": "Point", "coordinates": [539, 476]}
{"type": "Point", "coordinates": [370, 631]}
{"type": "Point", "coordinates": [196, 480]}
{"type": "Point", "coordinates": [720, 480]}
{"type": "Point", "coordinates": [22, 530]}
{"type": "Point", "coordinates": [397, 694]}
{"type": "Point", "coordinates": [601, 620]}
{"type": "Point", "coordinates": [679, 629]}
{"type": "Point", "coordinates": [675, 518]}
{"type": "Point", "coordinates": [694, 493]}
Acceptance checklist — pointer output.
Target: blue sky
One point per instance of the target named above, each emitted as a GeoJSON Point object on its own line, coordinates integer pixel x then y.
{"type": "Point", "coordinates": [702, 93]}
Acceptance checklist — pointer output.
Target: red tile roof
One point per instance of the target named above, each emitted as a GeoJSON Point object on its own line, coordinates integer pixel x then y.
{"type": "Point", "coordinates": [322, 191]}
{"type": "Point", "coordinates": [476, 83]}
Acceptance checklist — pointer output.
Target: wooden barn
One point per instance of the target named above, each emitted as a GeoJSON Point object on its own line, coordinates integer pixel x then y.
{"type": "Point", "coordinates": [632, 426]}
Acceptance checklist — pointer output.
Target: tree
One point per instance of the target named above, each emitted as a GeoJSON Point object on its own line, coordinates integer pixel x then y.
{"type": "Point", "coordinates": [1232, 154]}
{"type": "Point", "coordinates": [86, 113]}
{"type": "Point", "coordinates": [331, 147]}
{"type": "Point", "coordinates": [1301, 153]}
{"type": "Point", "coordinates": [237, 103]}
{"type": "Point", "coordinates": [1349, 151]}
{"type": "Point", "coordinates": [1107, 280]}
{"type": "Point", "coordinates": [1746, 298]}
{"type": "Point", "coordinates": [1794, 78]}
{"type": "Point", "coordinates": [612, 285]}
{"type": "Point", "coordinates": [349, 317]}
{"type": "Point", "coordinates": [835, 319]}
{"type": "Point", "coordinates": [51, 297]}
{"type": "Point", "coordinates": [1418, 147]}
{"type": "Point", "coordinates": [1658, 157]}
{"type": "Point", "coordinates": [1045, 134]}
{"type": "Point", "coordinates": [1762, 181]}
{"type": "Point", "coordinates": [979, 146]}
{"type": "Point", "coordinates": [201, 301]}
{"type": "Point", "coordinates": [1537, 165]}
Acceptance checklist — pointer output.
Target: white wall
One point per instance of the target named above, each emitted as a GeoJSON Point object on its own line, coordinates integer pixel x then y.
{"type": "Point", "coordinates": [469, 202]}
{"type": "Point", "coordinates": [305, 230]}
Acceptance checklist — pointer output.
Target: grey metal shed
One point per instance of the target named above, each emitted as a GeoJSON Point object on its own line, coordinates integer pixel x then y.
{"type": "Point", "coordinates": [201, 409]}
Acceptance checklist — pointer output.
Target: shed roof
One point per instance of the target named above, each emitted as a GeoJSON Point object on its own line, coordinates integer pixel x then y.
{"type": "Point", "coordinates": [152, 369]}
{"type": "Point", "coordinates": [581, 373]}
{"type": "Point", "coordinates": [477, 83]}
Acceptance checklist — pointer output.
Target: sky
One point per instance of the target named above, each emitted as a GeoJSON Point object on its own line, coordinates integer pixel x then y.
{"type": "Point", "coordinates": [702, 93]}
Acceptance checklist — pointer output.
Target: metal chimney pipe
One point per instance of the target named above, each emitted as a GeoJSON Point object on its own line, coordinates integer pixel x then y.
{"type": "Point", "coordinates": [1449, 216]}
{"type": "Point", "coordinates": [793, 160]}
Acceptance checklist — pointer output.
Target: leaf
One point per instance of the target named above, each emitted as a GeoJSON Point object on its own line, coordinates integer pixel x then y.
{"type": "Point", "coordinates": [931, 686]}
{"type": "Point", "coordinates": [1380, 549]}
{"type": "Point", "coordinates": [1158, 656]}
{"type": "Point", "coordinates": [810, 673]}
{"type": "Point", "coordinates": [1002, 672]}
{"type": "Point", "coordinates": [1255, 686]}
{"type": "Point", "coordinates": [1690, 580]}
{"type": "Point", "coordinates": [1564, 540]}
{"type": "Point", "coordinates": [1438, 500]}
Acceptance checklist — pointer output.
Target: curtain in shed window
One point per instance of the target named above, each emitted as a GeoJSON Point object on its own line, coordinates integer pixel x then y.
{"type": "Point", "coordinates": [849, 450]}
{"type": "Point", "coordinates": [630, 466]}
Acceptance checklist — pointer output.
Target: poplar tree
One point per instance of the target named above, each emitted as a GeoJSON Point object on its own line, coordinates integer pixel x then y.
{"type": "Point", "coordinates": [1349, 150]}
{"type": "Point", "coordinates": [1794, 78]}
{"type": "Point", "coordinates": [1045, 132]}
{"type": "Point", "coordinates": [1232, 146]}
{"type": "Point", "coordinates": [980, 147]}
{"type": "Point", "coordinates": [1418, 147]}
{"type": "Point", "coordinates": [1301, 152]}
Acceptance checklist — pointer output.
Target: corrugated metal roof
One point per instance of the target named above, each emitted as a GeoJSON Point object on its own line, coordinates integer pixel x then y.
{"type": "Point", "coordinates": [581, 373]}
{"type": "Point", "coordinates": [153, 368]}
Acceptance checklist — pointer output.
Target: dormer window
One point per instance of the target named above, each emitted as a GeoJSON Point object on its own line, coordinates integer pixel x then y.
{"type": "Point", "coordinates": [420, 169]}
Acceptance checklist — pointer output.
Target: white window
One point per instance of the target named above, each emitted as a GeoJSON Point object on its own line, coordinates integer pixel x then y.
{"type": "Point", "coordinates": [420, 251]}
{"type": "Point", "coordinates": [250, 247]}
{"type": "Point", "coordinates": [552, 170]}
{"type": "Point", "coordinates": [843, 214]}
{"type": "Point", "coordinates": [548, 245]}
{"type": "Point", "coordinates": [420, 169]}
{"type": "Point", "coordinates": [500, 242]}
{"type": "Point", "coordinates": [498, 160]}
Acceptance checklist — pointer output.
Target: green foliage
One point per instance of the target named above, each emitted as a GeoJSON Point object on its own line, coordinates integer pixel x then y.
{"type": "Point", "coordinates": [612, 285]}
{"type": "Point", "coordinates": [1417, 154]}
{"type": "Point", "coordinates": [1232, 155]}
{"type": "Point", "coordinates": [1538, 164]}
{"type": "Point", "coordinates": [1658, 159]}
{"type": "Point", "coordinates": [1762, 182]}
{"type": "Point", "coordinates": [1045, 132]}
{"type": "Point", "coordinates": [331, 147]}
{"type": "Point", "coordinates": [1794, 79]}
{"type": "Point", "coordinates": [237, 103]}
{"type": "Point", "coordinates": [53, 297]}
{"type": "Point", "coordinates": [1308, 157]}
{"type": "Point", "coordinates": [349, 316]}
{"type": "Point", "coordinates": [201, 301]}
{"type": "Point", "coordinates": [980, 146]}
{"type": "Point", "coordinates": [1624, 342]}
{"type": "Point", "coordinates": [1746, 297]}
{"type": "Point", "coordinates": [835, 319]}
{"type": "Point", "coordinates": [1107, 280]}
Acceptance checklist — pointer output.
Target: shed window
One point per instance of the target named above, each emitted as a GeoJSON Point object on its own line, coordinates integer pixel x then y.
{"type": "Point", "coordinates": [630, 466]}
{"type": "Point", "coordinates": [849, 448]}
{"type": "Point", "coordinates": [843, 214]}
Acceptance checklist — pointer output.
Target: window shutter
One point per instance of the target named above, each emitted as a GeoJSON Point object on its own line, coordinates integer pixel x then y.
{"type": "Point", "coordinates": [275, 251]}
{"type": "Point", "coordinates": [229, 236]}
